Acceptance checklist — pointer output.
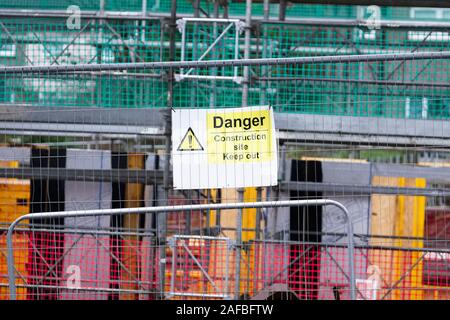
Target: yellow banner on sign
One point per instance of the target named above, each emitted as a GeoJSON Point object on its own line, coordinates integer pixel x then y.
{"type": "Point", "coordinates": [239, 136]}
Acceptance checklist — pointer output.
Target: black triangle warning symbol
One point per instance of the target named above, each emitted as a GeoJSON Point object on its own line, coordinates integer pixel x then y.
{"type": "Point", "coordinates": [189, 142]}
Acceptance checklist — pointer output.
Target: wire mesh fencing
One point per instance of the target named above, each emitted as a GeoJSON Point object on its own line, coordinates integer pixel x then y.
{"type": "Point", "coordinates": [361, 118]}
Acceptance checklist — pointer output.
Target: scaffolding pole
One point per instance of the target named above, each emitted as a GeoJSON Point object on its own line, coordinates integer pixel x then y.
{"type": "Point", "coordinates": [165, 209]}
{"type": "Point", "coordinates": [364, 58]}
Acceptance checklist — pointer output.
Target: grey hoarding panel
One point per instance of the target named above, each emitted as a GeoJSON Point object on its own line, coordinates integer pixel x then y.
{"type": "Point", "coordinates": [89, 254]}
{"type": "Point", "coordinates": [357, 204]}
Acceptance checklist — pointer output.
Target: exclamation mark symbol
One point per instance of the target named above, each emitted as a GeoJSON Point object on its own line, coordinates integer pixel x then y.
{"type": "Point", "coordinates": [190, 141]}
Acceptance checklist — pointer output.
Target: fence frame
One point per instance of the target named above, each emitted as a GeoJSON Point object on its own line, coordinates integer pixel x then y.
{"type": "Point", "coordinates": [165, 209]}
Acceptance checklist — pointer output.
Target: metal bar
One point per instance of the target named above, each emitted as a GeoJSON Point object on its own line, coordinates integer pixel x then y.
{"type": "Point", "coordinates": [238, 246]}
{"type": "Point", "coordinates": [386, 24]}
{"type": "Point", "coordinates": [205, 77]}
{"type": "Point", "coordinates": [159, 45]}
{"type": "Point", "coordinates": [21, 276]}
{"type": "Point", "coordinates": [85, 14]}
{"type": "Point", "coordinates": [338, 265]}
{"type": "Point", "coordinates": [61, 258]}
{"type": "Point", "coordinates": [77, 35]}
{"type": "Point", "coordinates": [358, 246]}
{"type": "Point", "coordinates": [143, 119]}
{"type": "Point", "coordinates": [348, 41]}
{"type": "Point", "coordinates": [154, 16]}
{"type": "Point", "coordinates": [161, 218]}
{"type": "Point", "coordinates": [209, 20]}
{"type": "Point", "coordinates": [245, 90]}
{"type": "Point", "coordinates": [39, 41]}
{"type": "Point", "coordinates": [200, 295]}
{"type": "Point", "coordinates": [213, 92]}
{"type": "Point", "coordinates": [378, 131]}
{"type": "Point", "coordinates": [399, 170]}
{"type": "Point", "coordinates": [361, 81]}
{"type": "Point", "coordinates": [227, 63]}
{"type": "Point", "coordinates": [365, 138]}
{"type": "Point", "coordinates": [35, 128]}
{"type": "Point", "coordinates": [389, 3]}
{"type": "Point", "coordinates": [395, 132]}
{"type": "Point", "coordinates": [183, 45]}
{"type": "Point", "coordinates": [225, 7]}
{"type": "Point", "coordinates": [101, 7]}
{"type": "Point", "coordinates": [218, 215]}
{"type": "Point", "coordinates": [272, 278]}
{"type": "Point", "coordinates": [362, 190]}
{"type": "Point", "coordinates": [181, 236]}
{"type": "Point", "coordinates": [165, 209]}
{"type": "Point", "coordinates": [227, 262]}
{"type": "Point", "coordinates": [88, 289]}
{"type": "Point", "coordinates": [400, 65]}
{"type": "Point", "coordinates": [122, 42]}
{"type": "Point", "coordinates": [104, 175]}
{"type": "Point", "coordinates": [112, 136]}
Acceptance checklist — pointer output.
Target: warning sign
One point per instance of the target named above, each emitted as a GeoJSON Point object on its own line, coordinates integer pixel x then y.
{"type": "Point", "coordinates": [190, 142]}
{"type": "Point", "coordinates": [224, 148]}
{"type": "Point", "coordinates": [243, 136]}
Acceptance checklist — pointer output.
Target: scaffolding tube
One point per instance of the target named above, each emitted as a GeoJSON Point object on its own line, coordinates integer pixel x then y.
{"type": "Point", "coordinates": [227, 63]}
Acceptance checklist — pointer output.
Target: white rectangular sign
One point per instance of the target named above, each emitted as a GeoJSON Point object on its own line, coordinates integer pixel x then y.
{"type": "Point", "coordinates": [224, 148]}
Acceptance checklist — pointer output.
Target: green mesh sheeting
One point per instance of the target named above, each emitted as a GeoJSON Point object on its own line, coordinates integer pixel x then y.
{"type": "Point", "coordinates": [413, 89]}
